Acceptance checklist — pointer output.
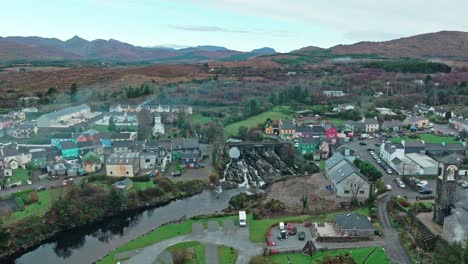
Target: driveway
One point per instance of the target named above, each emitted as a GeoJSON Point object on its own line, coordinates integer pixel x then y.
{"type": "Point", "coordinates": [393, 247]}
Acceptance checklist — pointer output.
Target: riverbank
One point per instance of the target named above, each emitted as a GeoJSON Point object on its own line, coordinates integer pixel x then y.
{"type": "Point", "coordinates": [36, 231]}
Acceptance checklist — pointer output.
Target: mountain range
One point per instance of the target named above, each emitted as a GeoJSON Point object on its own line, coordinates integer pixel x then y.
{"type": "Point", "coordinates": [444, 44]}
{"type": "Point", "coordinates": [76, 48]}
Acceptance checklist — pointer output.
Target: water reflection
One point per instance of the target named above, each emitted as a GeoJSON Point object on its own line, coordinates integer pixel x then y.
{"type": "Point", "coordinates": [90, 243]}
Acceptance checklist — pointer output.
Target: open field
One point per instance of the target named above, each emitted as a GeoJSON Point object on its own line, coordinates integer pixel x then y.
{"type": "Point", "coordinates": [358, 254]}
{"type": "Point", "coordinates": [428, 138]}
{"type": "Point", "coordinates": [201, 119]}
{"type": "Point", "coordinates": [36, 209]}
{"type": "Point", "coordinates": [278, 112]}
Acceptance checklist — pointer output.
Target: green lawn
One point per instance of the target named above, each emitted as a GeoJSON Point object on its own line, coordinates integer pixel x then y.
{"type": "Point", "coordinates": [428, 138]}
{"type": "Point", "coordinates": [143, 185]}
{"type": "Point", "coordinates": [278, 112]}
{"type": "Point", "coordinates": [358, 254]}
{"type": "Point", "coordinates": [259, 228]}
{"type": "Point", "coordinates": [192, 247]}
{"type": "Point", "coordinates": [201, 119]}
{"type": "Point", "coordinates": [227, 255]}
{"type": "Point", "coordinates": [337, 122]}
{"type": "Point", "coordinates": [35, 209]}
{"type": "Point", "coordinates": [20, 175]}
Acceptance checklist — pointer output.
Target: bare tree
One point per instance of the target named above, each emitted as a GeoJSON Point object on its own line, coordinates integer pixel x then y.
{"type": "Point", "coordinates": [356, 185]}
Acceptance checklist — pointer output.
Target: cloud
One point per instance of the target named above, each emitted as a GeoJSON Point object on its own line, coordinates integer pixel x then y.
{"type": "Point", "coordinates": [206, 29]}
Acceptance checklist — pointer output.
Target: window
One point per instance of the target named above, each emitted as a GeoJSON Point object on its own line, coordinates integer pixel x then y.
{"type": "Point", "coordinates": [361, 192]}
{"type": "Point", "coordinates": [127, 173]}
{"type": "Point", "coordinates": [147, 160]}
{"type": "Point", "coordinates": [346, 191]}
{"type": "Point", "coordinates": [111, 172]}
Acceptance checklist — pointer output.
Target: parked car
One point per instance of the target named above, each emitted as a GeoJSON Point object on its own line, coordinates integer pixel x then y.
{"type": "Point", "coordinates": [463, 184]}
{"type": "Point", "coordinates": [362, 143]}
{"type": "Point", "coordinates": [293, 231]}
{"type": "Point", "coordinates": [389, 171]}
{"type": "Point", "coordinates": [41, 188]}
{"type": "Point", "coordinates": [301, 235]}
{"type": "Point", "coordinates": [389, 187]}
{"type": "Point", "coordinates": [400, 183]}
{"type": "Point", "coordinates": [377, 144]}
{"type": "Point", "coordinates": [425, 190]}
{"type": "Point", "coordinates": [176, 174]}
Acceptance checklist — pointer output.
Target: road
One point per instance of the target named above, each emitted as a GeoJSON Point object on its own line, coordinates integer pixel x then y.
{"type": "Point", "coordinates": [393, 248]}
{"type": "Point", "coordinates": [47, 183]}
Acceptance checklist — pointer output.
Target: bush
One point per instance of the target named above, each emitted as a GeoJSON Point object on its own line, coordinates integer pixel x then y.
{"type": "Point", "coordinates": [144, 178]}
{"type": "Point", "coordinates": [93, 178]}
{"type": "Point", "coordinates": [191, 187]}
{"type": "Point", "coordinates": [404, 203]}
{"type": "Point", "coordinates": [239, 201]}
{"type": "Point", "coordinates": [165, 184]}
{"type": "Point", "coordinates": [33, 197]}
{"type": "Point", "coordinates": [154, 192]}
{"type": "Point", "coordinates": [180, 256]}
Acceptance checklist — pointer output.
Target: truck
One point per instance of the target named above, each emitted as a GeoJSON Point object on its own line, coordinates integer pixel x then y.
{"type": "Point", "coordinates": [242, 218]}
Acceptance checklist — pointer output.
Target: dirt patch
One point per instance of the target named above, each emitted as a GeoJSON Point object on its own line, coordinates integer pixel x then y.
{"type": "Point", "coordinates": [291, 191]}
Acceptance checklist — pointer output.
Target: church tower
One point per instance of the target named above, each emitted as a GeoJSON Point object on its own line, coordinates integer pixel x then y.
{"type": "Point", "coordinates": [446, 190]}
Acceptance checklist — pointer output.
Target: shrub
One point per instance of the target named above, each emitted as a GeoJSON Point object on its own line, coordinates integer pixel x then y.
{"type": "Point", "coordinates": [239, 201]}
{"type": "Point", "coordinates": [33, 197]}
{"type": "Point", "coordinates": [154, 192]}
{"type": "Point", "coordinates": [404, 203]}
{"type": "Point", "coordinates": [144, 178]}
{"type": "Point", "coordinates": [165, 184]}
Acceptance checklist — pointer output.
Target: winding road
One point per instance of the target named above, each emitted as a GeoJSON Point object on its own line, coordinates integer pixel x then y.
{"type": "Point", "coordinates": [393, 247]}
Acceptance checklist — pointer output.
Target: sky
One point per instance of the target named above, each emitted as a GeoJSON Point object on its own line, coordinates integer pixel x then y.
{"type": "Point", "coordinates": [243, 25]}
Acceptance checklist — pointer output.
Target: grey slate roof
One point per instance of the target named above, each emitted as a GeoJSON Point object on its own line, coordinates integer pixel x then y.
{"type": "Point", "coordinates": [68, 145]}
{"type": "Point", "coordinates": [318, 129]}
{"type": "Point", "coordinates": [287, 124]}
{"type": "Point", "coordinates": [123, 158]}
{"type": "Point", "coordinates": [333, 160]}
{"type": "Point", "coordinates": [370, 121]}
{"type": "Point", "coordinates": [123, 144]}
{"type": "Point", "coordinates": [353, 221]}
{"type": "Point", "coordinates": [66, 111]}
{"type": "Point", "coordinates": [9, 152]}
{"type": "Point", "coordinates": [302, 129]}
{"type": "Point", "coordinates": [391, 148]}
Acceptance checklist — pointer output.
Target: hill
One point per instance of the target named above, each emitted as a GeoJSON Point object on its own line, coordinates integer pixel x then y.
{"type": "Point", "coordinates": [37, 48]}
{"type": "Point", "coordinates": [444, 44]}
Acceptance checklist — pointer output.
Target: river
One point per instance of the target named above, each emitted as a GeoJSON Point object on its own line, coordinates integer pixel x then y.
{"type": "Point", "coordinates": [89, 244]}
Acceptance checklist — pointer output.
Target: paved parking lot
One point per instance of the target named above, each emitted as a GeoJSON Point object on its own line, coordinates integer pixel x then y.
{"type": "Point", "coordinates": [361, 151]}
{"type": "Point", "coordinates": [292, 242]}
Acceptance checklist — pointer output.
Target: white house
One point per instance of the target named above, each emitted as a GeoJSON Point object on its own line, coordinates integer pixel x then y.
{"type": "Point", "coordinates": [158, 128]}
{"type": "Point", "coordinates": [346, 178]}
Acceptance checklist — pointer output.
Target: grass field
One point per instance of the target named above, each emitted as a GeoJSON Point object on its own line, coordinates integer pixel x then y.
{"type": "Point", "coordinates": [201, 119]}
{"type": "Point", "coordinates": [227, 255]}
{"type": "Point", "coordinates": [428, 138]}
{"type": "Point", "coordinates": [20, 175]}
{"type": "Point", "coordinates": [278, 112]}
{"type": "Point", "coordinates": [259, 228]}
{"type": "Point", "coordinates": [358, 254]}
{"type": "Point", "coordinates": [35, 209]}
{"type": "Point", "coordinates": [337, 122]}
{"type": "Point", "coordinates": [192, 247]}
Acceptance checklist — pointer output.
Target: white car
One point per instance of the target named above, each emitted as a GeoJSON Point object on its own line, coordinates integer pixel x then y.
{"type": "Point", "coordinates": [389, 171]}
{"type": "Point", "coordinates": [389, 187]}
{"type": "Point", "coordinates": [401, 184]}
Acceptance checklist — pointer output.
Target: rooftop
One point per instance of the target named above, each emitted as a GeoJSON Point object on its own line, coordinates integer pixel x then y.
{"type": "Point", "coordinates": [353, 221]}
{"type": "Point", "coordinates": [122, 158]}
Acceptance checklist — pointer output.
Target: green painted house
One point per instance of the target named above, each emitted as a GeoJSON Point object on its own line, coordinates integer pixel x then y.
{"type": "Point", "coordinates": [69, 149]}
{"type": "Point", "coordinates": [307, 146]}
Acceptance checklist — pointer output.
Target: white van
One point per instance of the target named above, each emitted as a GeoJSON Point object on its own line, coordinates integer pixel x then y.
{"type": "Point", "coordinates": [281, 225]}
{"type": "Point", "coordinates": [242, 218]}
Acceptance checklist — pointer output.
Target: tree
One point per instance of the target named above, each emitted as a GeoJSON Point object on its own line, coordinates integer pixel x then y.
{"type": "Point", "coordinates": [73, 92]}
{"type": "Point", "coordinates": [117, 200]}
{"type": "Point", "coordinates": [273, 99]}
{"type": "Point", "coordinates": [180, 256]}
{"type": "Point", "coordinates": [252, 107]}
{"type": "Point", "coordinates": [112, 127]}
{"type": "Point", "coordinates": [304, 202]}
{"type": "Point", "coordinates": [243, 132]}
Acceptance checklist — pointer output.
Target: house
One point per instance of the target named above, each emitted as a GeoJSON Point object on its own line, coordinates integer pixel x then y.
{"type": "Point", "coordinates": [318, 131]}
{"type": "Point", "coordinates": [179, 146]}
{"type": "Point", "coordinates": [190, 160]}
{"type": "Point", "coordinates": [55, 139]}
{"type": "Point", "coordinates": [372, 125]}
{"type": "Point", "coordinates": [392, 125]}
{"type": "Point", "coordinates": [385, 111]}
{"type": "Point", "coordinates": [347, 180]}
{"type": "Point", "coordinates": [308, 146]}
{"type": "Point", "coordinates": [121, 136]}
{"type": "Point", "coordinates": [287, 129]}
{"type": "Point", "coordinates": [391, 153]}
{"type": "Point", "coordinates": [58, 118]}
{"type": "Point", "coordinates": [57, 169]}
{"type": "Point", "coordinates": [459, 124]}
{"type": "Point", "coordinates": [69, 149]}
{"type": "Point", "coordinates": [158, 128]}
{"type": "Point", "coordinates": [123, 164]}
{"type": "Point", "coordinates": [343, 108]}
{"type": "Point", "coordinates": [424, 109]}
{"type": "Point", "coordinates": [324, 150]}
{"type": "Point", "coordinates": [17, 115]}
{"type": "Point", "coordinates": [413, 146]}
{"type": "Point", "coordinates": [330, 131]}
{"type": "Point", "coordinates": [123, 146]}
{"type": "Point", "coordinates": [24, 130]}
{"type": "Point", "coordinates": [123, 185]}
{"type": "Point", "coordinates": [148, 160]}
{"type": "Point", "coordinates": [354, 224]}
{"type": "Point", "coordinates": [104, 139]}
{"type": "Point", "coordinates": [91, 162]}
{"type": "Point", "coordinates": [444, 112]}
{"type": "Point", "coordinates": [333, 93]}
{"type": "Point", "coordinates": [272, 127]}
{"type": "Point", "coordinates": [438, 149]}
{"type": "Point", "coordinates": [416, 121]}
{"type": "Point", "coordinates": [38, 158]}
{"type": "Point", "coordinates": [6, 122]}
{"type": "Point", "coordinates": [304, 132]}
{"type": "Point", "coordinates": [10, 157]}
{"type": "Point", "coordinates": [85, 147]}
